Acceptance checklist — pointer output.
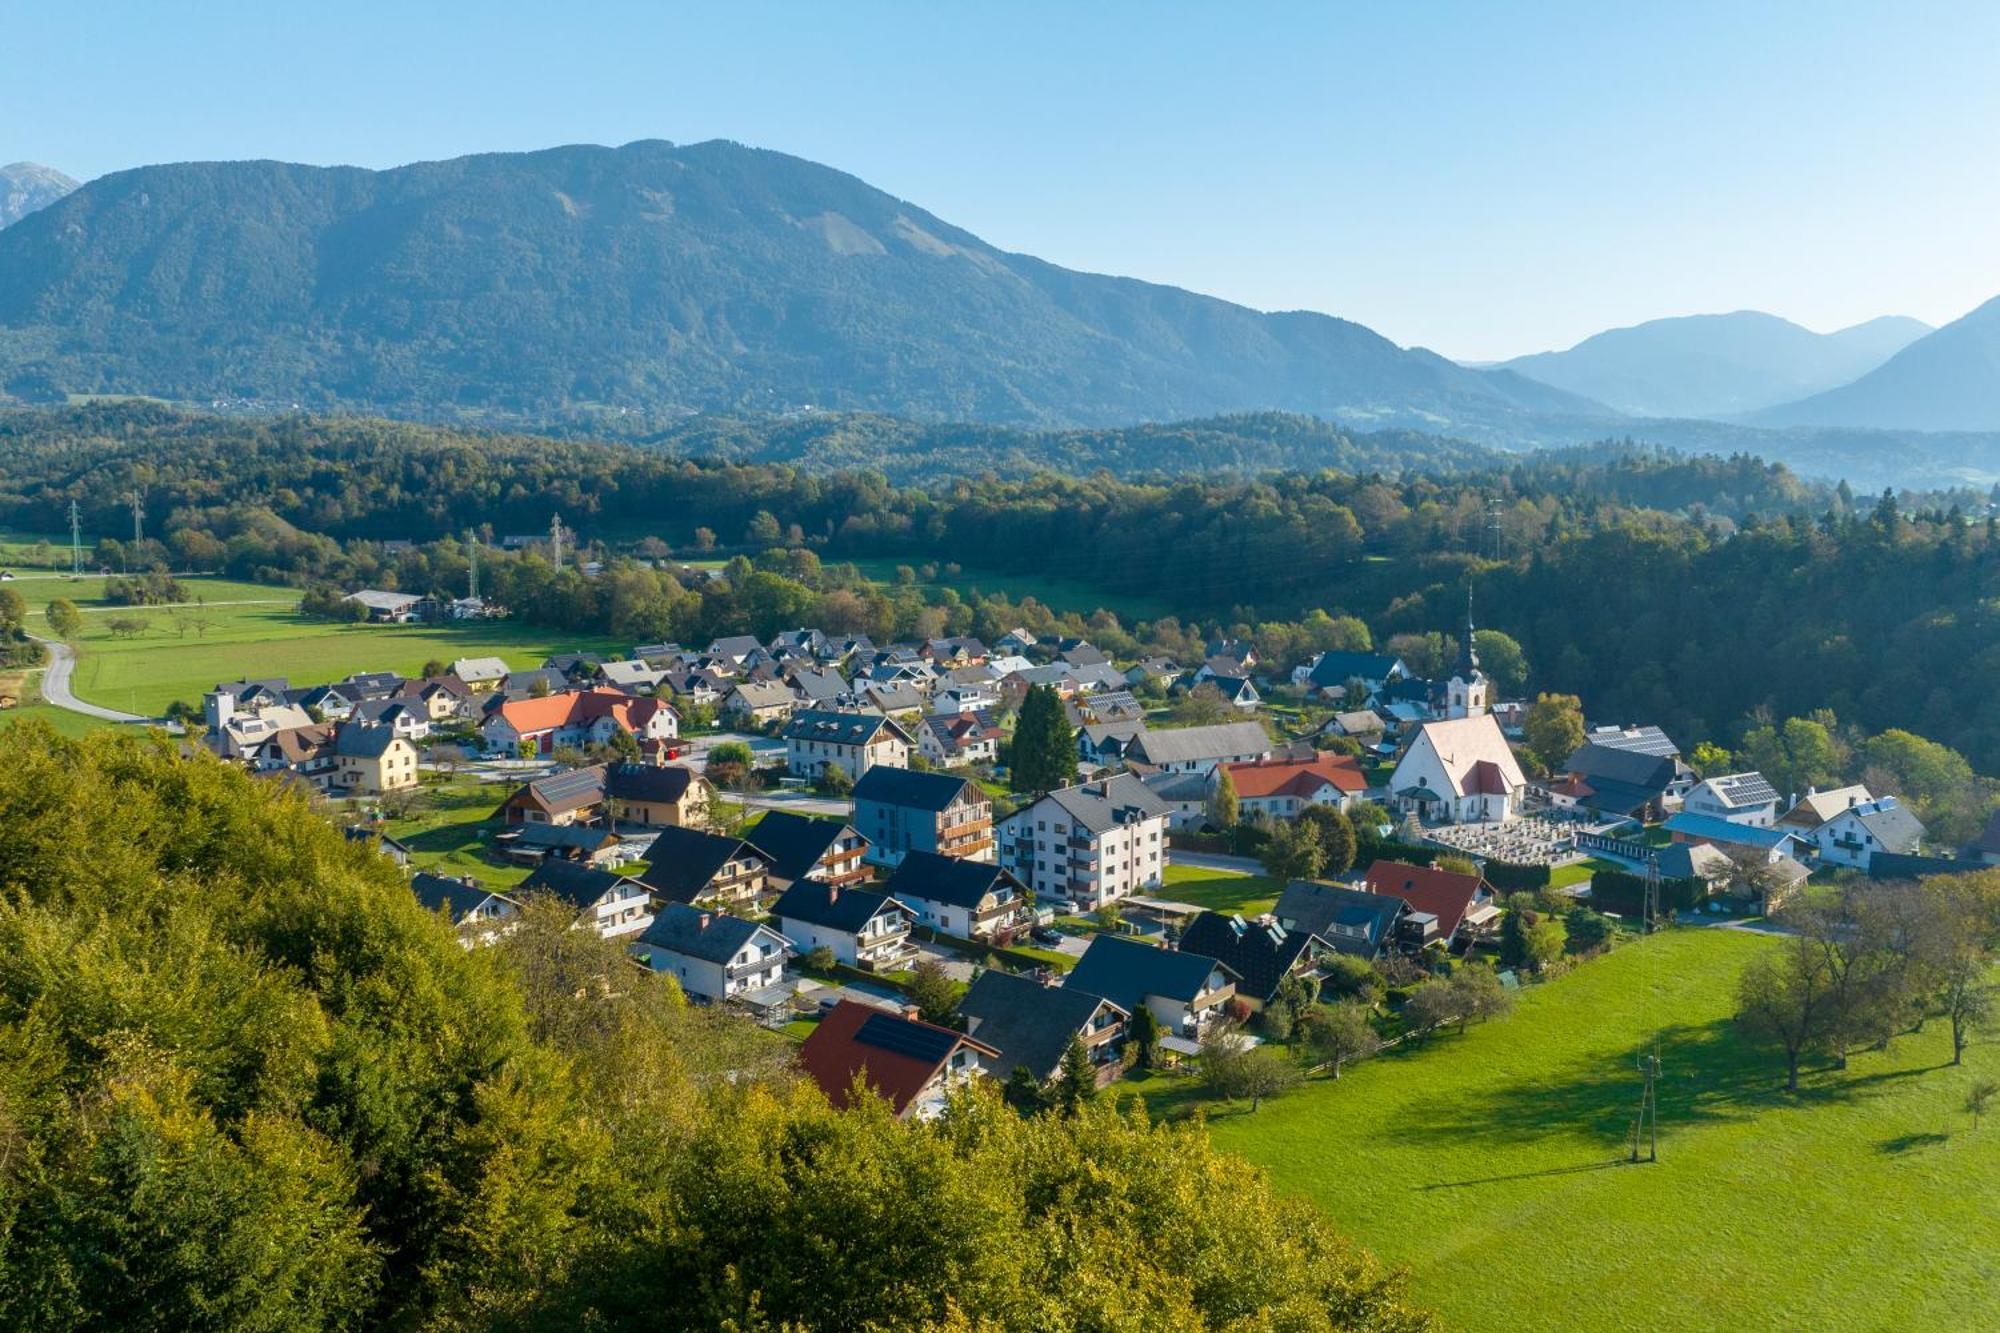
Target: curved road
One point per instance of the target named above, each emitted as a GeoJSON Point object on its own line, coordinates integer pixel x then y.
{"type": "Point", "coordinates": [55, 684]}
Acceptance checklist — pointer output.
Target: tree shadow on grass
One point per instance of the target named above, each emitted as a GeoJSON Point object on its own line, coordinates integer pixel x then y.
{"type": "Point", "coordinates": [1907, 1143]}
{"type": "Point", "coordinates": [1524, 1175]}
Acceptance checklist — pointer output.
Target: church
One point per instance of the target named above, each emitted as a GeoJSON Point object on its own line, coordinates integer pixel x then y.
{"type": "Point", "coordinates": [1460, 769]}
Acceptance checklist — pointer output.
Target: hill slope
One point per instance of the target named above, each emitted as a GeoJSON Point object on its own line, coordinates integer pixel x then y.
{"type": "Point", "coordinates": [648, 279]}
{"type": "Point", "coordinates": [1949, 380]}
{"type": "Point", "coordinates": [1717, 365]}
{"type": "Point", "coordinates": [27, 186]}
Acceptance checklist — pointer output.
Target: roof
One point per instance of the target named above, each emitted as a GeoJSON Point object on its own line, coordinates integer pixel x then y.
{"type": "Point", "coordinates": [1028, 1023]}
{"type": "Point", "coordinates": [1349, 920]}
{"type": "Point", "coordinates": [455, 896]}
{"type": "Point", "coordinates": [1693, 860]}
{"type": "Point", "coordinates": [568, 707]}
{"type": "Point", "coordinates": [952, 880]}
{"type": "Point", "coordinates": [1638, 740]}
{"type": "Point", "coordinates": [1103, 804]}
{"type": "Point", "coordinates": [1475, 754]}
{"type": "Point", "coordinates": [362, 741]}
{"type": "Point", "coordinates": [471, 669]}
{"type": "Point", "coordinates": [560, 793]}
{"type": "Point", "coordinates": [1359, 722]}
{"type": "Point", "coordinates": [896, 1057]}
{"type": "Point", "coordinates": [714, 937]}
{"type": "Point", "coordinates": [1296, 777]}
{"type": "Point", "coordinates": [831, 728]}
{"type": "Point", "coordinates": [1177, 787]}
{"type": "Point", "coordinates": [1599, 763]}
{"type": "Point", "coordinates": [1338, 668]}
{"type": "Point", "coordinates": [629, 673]}
{"type": "Point", "coordinates": [683, 861]}
{"type": "Point", "coordinates": [1446, 894]}
{"type": "Point", "coordinates": [1189, 745]}
{"type": "Point", "coordinates": [764, 693]}
{"type": "Point", "coordinates": [579, 885]}
{"type": "Point", "coordinates": [377, 600]}
{"type": "Point", "coordinates": [1715, 828]}
{"type": "Point", "coordinates": [1261, 954]}
{"type": "Point", "coordinates": [553, 837]}
{"type": "Point", "coordinates": [1816, 807]}
{"type": "Point", "coordinates": [955, 731]}
{"type": "Point", "coordinates": [795, 843]}
{"type": "Point", "coordinates": [1891, 824]}
{"type": "Point", "coordinates": [1742, 791]}
{"type": "Point", "coordinates": [905, 787]}
{"type": "Point", "coordinates": [818, 904]}
{"type": "Point", "coordinates": [1125, 972]}
{"type": "Point", "coordinates": [648, 782]}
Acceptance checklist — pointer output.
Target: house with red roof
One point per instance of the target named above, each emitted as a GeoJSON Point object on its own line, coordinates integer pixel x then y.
{"type": "Point", "coordinates": [1457, 904]}
{"type": "Point", "coordinates": [1280, 788]}
{"type": "Point", "coordinates": [576, 717]}
{"type": "Point", "coordinates": [912, 1064]}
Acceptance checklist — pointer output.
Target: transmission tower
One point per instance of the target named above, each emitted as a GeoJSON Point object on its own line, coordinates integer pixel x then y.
{"type": "Point", "coordinates": [138, 517]}
{"type": "Point", "coordinates": [75, 541]}
{"type": "Point", "coordinates": [471, 564]}
{"type": "Point", "coordinates": [1646, 1125]}
{"type": "Point", "coordinates": [556, 535]}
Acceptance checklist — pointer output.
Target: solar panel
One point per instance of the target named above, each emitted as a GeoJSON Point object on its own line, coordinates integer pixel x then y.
{"type": "Point", "coordinates": [901, 1037]}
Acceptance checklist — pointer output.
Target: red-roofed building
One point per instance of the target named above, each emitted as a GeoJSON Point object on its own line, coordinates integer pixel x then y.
{"type": "Point", "coordinates": [1458, 902]}
{"type": "Point", "coordinates": [1280, 788]}
{"type": "Point", "coordinates": [577, 717]}
{"type": "Point", "coordinates": [911, 1063]}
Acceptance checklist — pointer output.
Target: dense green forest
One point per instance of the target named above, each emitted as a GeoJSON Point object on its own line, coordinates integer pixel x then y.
{"type": "Point", "coordinates": [246, 1081]}
{"type": "Point", "coordinates": [1700, 594]}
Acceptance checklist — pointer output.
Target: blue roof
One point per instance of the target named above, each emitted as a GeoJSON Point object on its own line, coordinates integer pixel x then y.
{"type": "Point", "coordinates": [1717, 829]}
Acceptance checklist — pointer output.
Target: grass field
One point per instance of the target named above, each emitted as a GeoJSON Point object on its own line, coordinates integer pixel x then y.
{"type": "Point", "coordinates": [1059, 595]}
{"type": "Point", "coordinates": [1221, 890]}
{"type": "Point", "coordinates": [447, 836]}
{"type": "Point", "coordinates": [1492, 1165]}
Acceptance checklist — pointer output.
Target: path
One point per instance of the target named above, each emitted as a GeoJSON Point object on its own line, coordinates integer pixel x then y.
{"type": "Point", "coordinates": [1246, 865]}
{"type": "Point", "coordinates": [55, 685]}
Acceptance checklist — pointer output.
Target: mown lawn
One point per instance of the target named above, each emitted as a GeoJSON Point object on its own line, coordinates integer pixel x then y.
{"type": "Point", "coordinates": [449, 832]}
{"type": "Point", "coordinates": [1225, 891]}
{"type": "Point", "coordinates": [1493, 1164]}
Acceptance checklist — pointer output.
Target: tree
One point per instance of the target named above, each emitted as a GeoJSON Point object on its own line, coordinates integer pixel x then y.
{"type": "Point", "coordinates": [1044, 753]}
{"type": "Point", "coordinates": [1076, 1079]}
{"type": "Point", "coordinates": [13, 606]}
{"type": "Point", "coordinates": [821, 959]}
{"type": "Point", "coordinates": [1232, 1068]}
{"type": "Point", "coordinates": [1553, 728]}
{"type": "Point", "coordinates": [1457, 865]}
{"type": "Point", "coordinates": [1223, 807]}
{"type": "Point", "coordinates": [1293, 851]}
{"type": "Point", "coordinates": [833, 781]}
{"type": "Point", "coordinates": [1586, 930]}
{"type": "Point", "coordinates": [65, 620]}
{"type": "Point", "coordinates": [1262, 1073]}
{"type": "Point", "coordinates": [1429, 1007]}
{"type": "Point", "coordinates": [1144, 1034]}
{"type": "Point", "coordinates": [1504, 663]}
{"type": "Point", "coordinates": [1477, 995]}
{"type": "Point", "coordinates": [1711, 760]}
{"type": "Point", "coordinates": [934, 993]}
{"type": "Point", "coordinates": [1782, 999]}
{"type": "Point", "coordinates": [1203, 706]}
{"type": "Point", "coordinates": [1293, 997]}
{"type": "Point", "coordinates": [1978, 1097]}
{"type": "Point", "coordinates": [1337, 841]}
{"type": "Point", "coordinates": [1529, 939]}
{"type": "Point", "coordinates": [1343, 1033]}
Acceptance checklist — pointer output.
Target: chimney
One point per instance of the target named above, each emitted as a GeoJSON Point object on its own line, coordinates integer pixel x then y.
{"type": "Point", "coordinates": [832, 893]}
{"type": "Point", "coordinates": [703, 923]}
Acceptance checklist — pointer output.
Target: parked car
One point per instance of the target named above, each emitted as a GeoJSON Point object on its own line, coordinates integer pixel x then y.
{"type": "Point", "coordinates": [1044, 935]}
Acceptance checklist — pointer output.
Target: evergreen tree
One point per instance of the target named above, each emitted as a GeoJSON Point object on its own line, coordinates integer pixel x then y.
{"type": "Point", "coordinates": [1076, 1081]}
{"type": "Point", "coordinates": [1044, 755]}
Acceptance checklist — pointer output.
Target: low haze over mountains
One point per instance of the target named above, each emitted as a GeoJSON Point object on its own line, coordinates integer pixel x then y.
{"type": "Point", "coordinates": [27, 186]}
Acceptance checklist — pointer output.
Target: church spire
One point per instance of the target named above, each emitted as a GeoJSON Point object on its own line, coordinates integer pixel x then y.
{"type": "Point", "coordinates": [1468, 652]}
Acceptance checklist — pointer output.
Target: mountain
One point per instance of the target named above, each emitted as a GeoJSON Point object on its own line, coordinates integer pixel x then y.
{"type": "Point", "coordinates": [650, 280]}
{"type": "Point", "coordinates": [27, 186]}
{"type": "Point", "coordinates": [1717, 365]}
{"type": "Point", "coordinates": [1949, 380]}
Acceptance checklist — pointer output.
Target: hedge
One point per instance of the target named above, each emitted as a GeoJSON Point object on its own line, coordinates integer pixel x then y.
{"type": "Point", "coordinates": [1508, 876]}
{"type": "Point", "coordinates": [1624, 893]}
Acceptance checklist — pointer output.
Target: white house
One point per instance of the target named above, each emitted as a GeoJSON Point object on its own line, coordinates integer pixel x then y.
{"type": "Point", "coordinates": [387, 608]}
{"type": "Point", "coordinates": [1090, 844]}
{"type": "Point", "coordinates": [1199, 749]}
{"type": "Point", "coordinates": [1852, 837]}
{"type": "Point", "coordinates": [861, 927]}
{"type": "Point", "coordinates": [713, 955]}
{"type": "Point", "coordinates": [973, 900]}
{"type": "Point", "coordinates": [818, 737]}
{"type": "Point", "coordinates": [1740, 798]}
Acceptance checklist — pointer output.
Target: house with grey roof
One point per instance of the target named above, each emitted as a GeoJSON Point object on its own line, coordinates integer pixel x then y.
{"type": "Point", "coordinates": [861, 927]}
{"type": "Point", "coordinates": [481, 673]}
{"type": "Point", "coordinates": [1185, 991]}
{"type": "Point", "coordinates": [1350, 921]}
{"type": "Point", "coordinates": [1200, 749]}
{"type": "Point", "coordinates": [479, 915]}
{"type": "Point", "coordinates": [1031, 1025]}
{"type": "Point", "coordinates": [1853, 837]}
{"type": "Point", "coordinates": [974, 900]}
{"type": "Point", "coordinates": [1089, 844]}
{"type": "Point", "coordinates": [1740, 798]}
{"type": "Point", "coordinates": [713, 955]}
{"type": "Point", "coordinates": [901, 811]}
{"type": "Point", "coordinates": [816, 738]}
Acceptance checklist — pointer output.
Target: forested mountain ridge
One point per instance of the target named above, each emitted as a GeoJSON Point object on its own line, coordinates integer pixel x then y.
{"type": "Point", "coordinates": [652, 280]}
{"type": "Point", "coordinates": [1946, 381]}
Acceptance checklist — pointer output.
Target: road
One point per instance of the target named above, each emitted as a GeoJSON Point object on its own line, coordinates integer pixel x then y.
{"type": "Point", "coordinates": [55, 685]}
{"type": "Point", "coordinates": [1246, 865]}
{"type": "Point", "coordinates": [797, 802]}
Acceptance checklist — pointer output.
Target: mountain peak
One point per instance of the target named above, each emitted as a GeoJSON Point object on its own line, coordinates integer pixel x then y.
{"type": "Point", "coordinates": [27, 186]}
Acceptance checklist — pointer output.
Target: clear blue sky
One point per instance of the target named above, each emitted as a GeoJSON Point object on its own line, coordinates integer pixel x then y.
{"type": "Point", "coordinates": [1483, 179]}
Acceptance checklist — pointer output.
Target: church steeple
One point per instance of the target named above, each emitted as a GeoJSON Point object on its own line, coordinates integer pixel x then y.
{"type": "Point", "coordinates": [1468, 652]}
{"type": "Point", "coordinates": [1468, 693]}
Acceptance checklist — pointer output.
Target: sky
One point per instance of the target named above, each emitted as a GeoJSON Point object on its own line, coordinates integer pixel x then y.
{"type": "Point", "coordinates": [1481, 179]}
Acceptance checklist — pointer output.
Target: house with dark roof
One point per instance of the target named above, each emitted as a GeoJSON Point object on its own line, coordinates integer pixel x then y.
{"type": "Point", "coordinates": [479, 915]}
{"type": "Point", "coordinates": [1261, 953]}
{"type": "Point", "coordinates": [535, 844]}
{"type": "Point", "coordinates": [911, 1064]}
{"type": "Point", "coordinates": [1332, 672]}
{"type": "Point", "coordinates": [951, 740]}
{"type": "Point", "coordinates": [974, 900]}
{"type": "Point", "coordinates": [1350, 921]}
{"type": "Point", "coordinates": [574, 796]}
{"type": "Point", "coordinates": [1740, 798]}
{"type": "Point", "coordinates": [807, 847]}
{"type": "Point", "coordinates": [656, 795]}
{"type": "Point", "coordinates": [1089, 844]}
{"type": "Point", "coordinates": [368, 761]}
{"type": "Point", "coordinates": [1200, 749]}
{"type": "Point", "coordinates": [901, 811]}
{"type": "Point", "coordinates": [1184, 990]}
{"type": "Point", "coordinates": [1612, 777]}
{"type": "Point", "coordinates": [612, 905]}
{"type": "Point", "coordinates": [816, 738]}
{"type": "Point", "coordinates": [713, 955]}
{"type": "Point", "coordinates": [1031, 1025]}
{"type": "Point", "coordinates": [862, 928]}
{"type": "Point", "coordinates": [1461, 904]}
{"type": "Point", "coordinates": [686, 865]}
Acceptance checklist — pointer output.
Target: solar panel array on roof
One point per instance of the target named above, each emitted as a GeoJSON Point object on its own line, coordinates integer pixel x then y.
{"type": "Point", "coordinates": [1639, 740]}
{"type": "Point", "coordinates": [899, 1036]}
{"type": "Point", "coordinates": [571, 785]}
{"type": "Point", "coordinates": [1746, 789]}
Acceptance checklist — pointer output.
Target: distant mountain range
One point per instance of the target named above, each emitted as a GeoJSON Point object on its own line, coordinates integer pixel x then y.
{"type": "Point", "coordinates": [654, 280]}
{"type": "Point", "coordinates": [1717, 365]}
{"type": "Point", "coordinates": [27, 186]}
{"type": "Point", "coordinates": [1948, 381]}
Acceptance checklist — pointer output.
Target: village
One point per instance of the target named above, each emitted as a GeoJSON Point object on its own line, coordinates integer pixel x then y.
{"type": "Point", "coordinates": [820, 833]}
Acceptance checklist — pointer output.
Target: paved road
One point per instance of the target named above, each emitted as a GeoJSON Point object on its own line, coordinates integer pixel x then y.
{"type": "Point", "coordinates": [1211, 861]}
{"type": "Point", "coordinates": [797, 802]}
{"type": "Point", "coordinates": [55, 685]}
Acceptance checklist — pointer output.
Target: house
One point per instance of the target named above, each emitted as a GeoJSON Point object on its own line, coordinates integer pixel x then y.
{"type": "Point", "coordinates": [817, 738]}
{"type": "Point", "coordinates": [862, 928]}
{"type": "Point", "coordinates": [1184, 990]}
{"type": "Point", "coordinates": [736, 649]}
{"type": "Point", "coordinates": [1031, 1025]}
{"type": "Point", "coordinates": [1633, 772]}
{"type": "Point", "coordinates": [757, 703]}
{"type": "Point", "coordinates": [1187, 797]}
{"type": "Point", "coordinates": [368, 761]}
{"type": "Point", "coordinates": [387, 608]}
{"type": "Point", "coordinates": [1736, 837]}
{"type": "Point", "coordinates": [612, 905]}
{"type": "Point", "coordinates": [656, 795]}
{"type": "Point", "coordinates": [631, 675]}
{"type": "Point", "coordinates": [528, 685]}
{"type": "Point", "coordinates": [713, 955]}
{"type": "Point", "coordinates": [1853, 837]}
{"type": "Point", "coordinates": [1816, 807]}
{"type": "Point", "coordinates": [1740, 798]}
{"type": "Point", "coordinates": [1458, 770]}
{"type": "Point", "coordinates": [697, 687]}
{"type": "Point", "coordinates": [1336, 673]}
{"type": "Point", "coordinates": [893, 698]}
{"type": "Point", "coordinates": [1103, 745]}
{"type": "Point", "coordinates": [306, 753]}
{"type": "Point", "coordinates": [964, 699]}
{"type": "Point", "coordinates": [406, 717]}
{"type": "Point", "coordinates": [801, 847]}
{"type": "Point", "coordinates": [688, 865]}
{"type": "Point", "coordinates": [901, 811]}
{"type": "Point", "coordinates": [817, 688]}
{"type": "Point", "coordinates": [1696, 861]}
{"type": "Point", "coordinates": [1349, 921]}
{"type": "Point", "coordinates": [576, 718]}
{"type": "Point", "coordinates": [911, 1064]}
{"type": "Point", "coordinates": [957, 739]}
{"type": "Point", "coordinates": [479, 915]}
{"type": "Point", "coordinates": [1270, 789]}
{"type": "Point", "coordinates": [1107, 706]}
{"type": "Point", "coordinates": [973, 900]}
{"type": "Point", "coordinates": [481, 673]}
{"type": "Point", "coordinates": [1200, 749]}
{"type": "Point", "coordinates": [537, 844]}
{"type": "Point", "coordinates": [1237, 691]}
{"type": "Point", "coordinates": [1090, 844]}
{"type": "Point", "coordinates": [443, 699]}
{"type": "Point", "coordinates": [1162, 671]}
{"type": "Point", "coordinates": [572, 797]}
{"type": "Point", "coordinates": [1361, 724]}
{"type": "Point", "coordinates": [1261, 953]}
{"type": "Point", "coordinates": [380, 841]}
{"type": "Point", "coordinates": [1461, 904]}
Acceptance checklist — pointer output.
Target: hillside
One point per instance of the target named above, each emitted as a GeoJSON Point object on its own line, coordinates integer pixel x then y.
{"type": "Point", "coordinates": [1948, 381]}
{"type": "Point", "coordinates": [649, 280]}
{"type": "Point", "coordinates": [1717, 365]}
{"type": "Point", "coordinates": [27, 186]}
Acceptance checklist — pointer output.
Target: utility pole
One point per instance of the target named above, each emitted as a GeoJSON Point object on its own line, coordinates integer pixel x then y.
{"type": "Point", "coordinates": [75, 541]}
{"type": "Point", "coordinates": [471, 564]}
{"type": "Point", "coordinates": [1647, 1124]}
{"type": "Point", "coordinates": [138, 518]}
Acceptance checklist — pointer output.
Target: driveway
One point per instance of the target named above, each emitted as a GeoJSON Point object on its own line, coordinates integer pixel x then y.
{"type": "Point", "coordinates": [55, 685]}
{"type": "Point", "coordinates": [1248, 865]}
{"type": "Point", "coordinates": [954, 967]}
{"type": "Point", "coordinates": [799, 803]}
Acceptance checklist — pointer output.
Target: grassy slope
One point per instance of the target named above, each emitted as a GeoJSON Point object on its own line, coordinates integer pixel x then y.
{"type": "Point", "coordinates": [1492, 1166]}
{"type": "Point", "coordinates": [1221, 890]}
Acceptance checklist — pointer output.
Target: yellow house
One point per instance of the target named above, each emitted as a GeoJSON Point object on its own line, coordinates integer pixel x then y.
{"type": "Point", "coordinates": [368, 761]}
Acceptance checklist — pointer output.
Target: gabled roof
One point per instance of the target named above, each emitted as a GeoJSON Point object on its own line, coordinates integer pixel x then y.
{"type": "Point", "coordinates": [1262, 954]}
{"type": "Point", "coordinates": [1296, 777]}
{"type": "Point", "coordinates": [896, 1057]}
{"type": "Point", "coordinates": [795, 843]}
{"type": "Point", "coordinates": [1336, 669]}
{"type": "Point", "coordinates": [1714, 828]}
{"type": "Point", "coordinates": [763, 693]}
{"type": "Point", "coordinates": [1742, 791]}
{"type": "Point", "coordinates": [911, 790]}
{"type": "Point", "coordinates": [1639, 740]}
{"type": "Point", "coordinates": [457, 898]}
{"type": "Point", "coordinates": [1125, 972]}
{"type": "Point", "coordinates": [956, 731]}
{"type": "Point", "coordinates": [831, 728]}
{"type": "Point", "coordinates": [1103, 804]}
{"type": "Point", "coordinates": [1349, 920]}
{"type": "Point", "coordinates": [478, 670]}
{"type": "Point", "coordinates": [684, 861]}
{"type": "Point", "coordinates": [560, 793]}
{"type": "Point", "coordinates": [1816, 807]}
{"type": "Point", "coordinates": [1178, 786]}
{"type": "Point", "coordinates": [579, 885]}
{"type": "Point", "coordinates": [818, 904]}
{"type": "Point", "coordinates": [714, 937]}
{"type": "Point", "coordinates": [1026, 1022]}
{"type": "Point", "coordinates": [1446, 894]}
{"type": "Point", "coordinates": [1190, 745]}
{"type": "Point", "coordinates": [559, 837]}
{"type": "Point", "coordinates": [1597, 764]}
{"type": "Point", "coordinates": [648, 782]}
{"type": "Point", "coordinates": [952, 880]}
{"type": "Point", "coordinates": [361, 741]}
{"type": "Point", "coordinates": [1474, 754]}
{"type": "Point", "coordinates": [1891, 824]}
{"type": "Point", "coordinates": [629, 673]}
{"type": "Point", "coordinates": [1693, 860]}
